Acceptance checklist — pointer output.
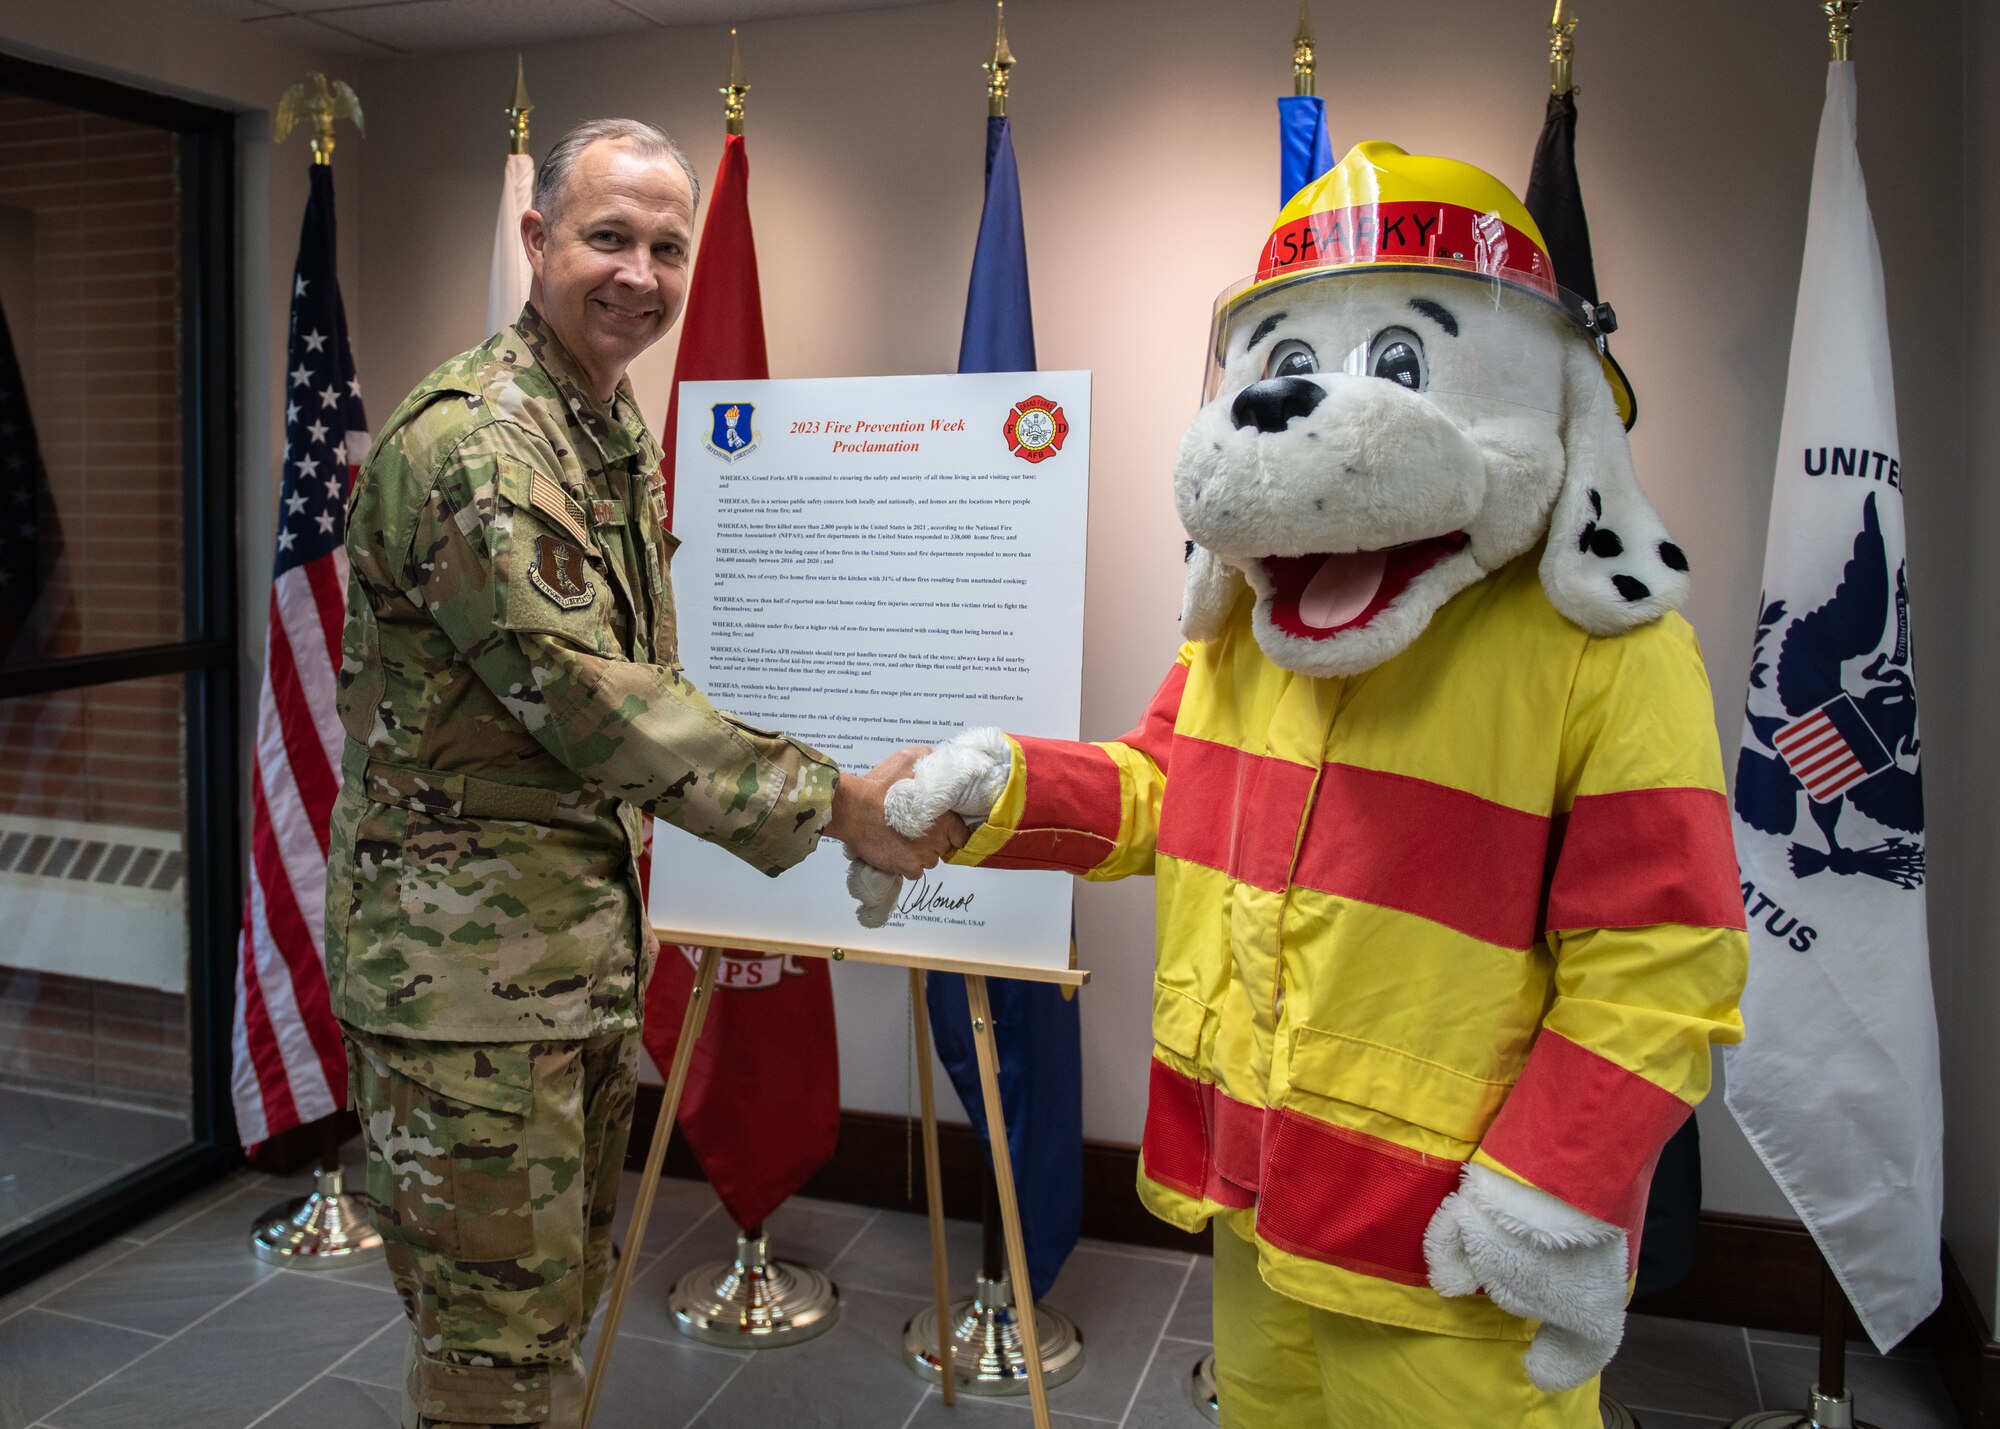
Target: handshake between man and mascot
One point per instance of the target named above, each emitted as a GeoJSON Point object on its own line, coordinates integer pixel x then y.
{"type": "Point", "coordinates": [1447, 914]}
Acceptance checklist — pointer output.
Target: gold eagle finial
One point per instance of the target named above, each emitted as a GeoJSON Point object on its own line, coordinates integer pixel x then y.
{"type": "Point", "coordinates": [321, 100]}
{"type": "Point", "coordinates": [1302, 52]}
{"type": "Point", "coordinates": [1562, 45]}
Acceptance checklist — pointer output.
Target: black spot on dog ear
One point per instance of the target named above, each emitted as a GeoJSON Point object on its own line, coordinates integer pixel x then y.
{"type": "Point", "coordinates": [1631, 588]}
{"type": "Point", "coordinates": [1672, 556]}
{"type": "Point", "coordinates": [1604, 542]}
{"type": "Point", "coordinates": [1188, 554]}
{"type": "Point", "coordinates": [1596, 502]}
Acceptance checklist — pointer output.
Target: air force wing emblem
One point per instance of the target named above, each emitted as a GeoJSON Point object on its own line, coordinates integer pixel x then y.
{"type": "Point", "coordinates": [732, 429]}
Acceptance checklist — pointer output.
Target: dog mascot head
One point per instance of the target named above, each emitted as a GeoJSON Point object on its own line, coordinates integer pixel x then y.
{"type": "Point", "coordinates": [1400, 402]}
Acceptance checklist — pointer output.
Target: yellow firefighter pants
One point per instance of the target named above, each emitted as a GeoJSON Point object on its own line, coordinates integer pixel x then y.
{"type": "Point", "coordinates": [1281, 1364]}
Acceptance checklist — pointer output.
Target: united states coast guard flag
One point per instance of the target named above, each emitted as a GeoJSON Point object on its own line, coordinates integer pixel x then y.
{"type": "Point", "coordinates": [1836, 1082]}
{"type": "Point", "coordinates": [289, 1066]}
{"type": "Point", "coordinates": [1036, 1028]}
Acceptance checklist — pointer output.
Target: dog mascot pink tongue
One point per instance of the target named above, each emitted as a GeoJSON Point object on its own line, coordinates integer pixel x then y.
{"type": "Point", "coordinates": [1447, 914]}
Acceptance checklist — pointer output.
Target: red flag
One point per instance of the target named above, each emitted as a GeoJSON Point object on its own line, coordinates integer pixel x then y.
{"type": "Point", "coordinates": [761, 1109]}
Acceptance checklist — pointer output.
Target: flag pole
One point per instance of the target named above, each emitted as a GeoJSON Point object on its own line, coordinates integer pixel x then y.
{"type": "Point", "coordinates": [1562, 45]}
{"type": "Point", "coordinates": [1831, 1403]}
{"type": "Point", "coordinates": [330, 1228]}
{"type": "Point", "coordinates": [752, 1301]}
{"type": "Point", "coordinates": [1303, 61]}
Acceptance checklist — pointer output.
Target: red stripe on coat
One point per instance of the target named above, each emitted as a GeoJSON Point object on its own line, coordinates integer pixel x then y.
{"type": "Point", "coordinates": [1071, 811]}
{"type": "Point", "coordinates": [1645, 856]}
{"type": "Point", "coordinates": [1585, 1130]}
{"type": "Point", "coordinates": [1427, 849]}
{"type": "Point", "coordinates": [1332, 1195]}
{"type": "Point", "coordinates": [1180, 1139]}
{"type": "Point", "coordinates": [1154, 736]}
{"type": "Point", "coordinates": [1235, 811]}
{"type": "Point", "coordinates": [1350, 1199]}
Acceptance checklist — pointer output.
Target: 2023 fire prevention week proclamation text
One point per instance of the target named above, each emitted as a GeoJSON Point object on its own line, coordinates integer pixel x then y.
{"type": "Point", "coordinates": [874, 562]}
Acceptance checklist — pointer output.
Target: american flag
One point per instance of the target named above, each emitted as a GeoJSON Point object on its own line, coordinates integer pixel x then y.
{"type": "Point", "coordinates": [289, 1067]}
{"type": "Point", "coordinates": [1832, 749]}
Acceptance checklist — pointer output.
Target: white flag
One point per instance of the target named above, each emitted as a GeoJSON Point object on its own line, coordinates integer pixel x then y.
{"type": "Point", "coordinates": [507, 287]}
{"type": "Point", "coordinates": [1836, 1081]}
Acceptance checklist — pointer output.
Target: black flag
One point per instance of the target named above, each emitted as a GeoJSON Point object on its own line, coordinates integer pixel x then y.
{"type": "Point", "coordinates": [1555, 201]}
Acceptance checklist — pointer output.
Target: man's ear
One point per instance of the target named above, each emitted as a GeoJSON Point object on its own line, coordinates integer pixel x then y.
{"type": "Point", "coordinates": [1608, 565]}
{"type": "Point", "coordinates": [535, 239]}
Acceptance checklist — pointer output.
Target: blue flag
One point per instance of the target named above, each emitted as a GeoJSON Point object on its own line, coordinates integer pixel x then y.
{"type": "Point", "coordinates": [1305, 150]}
{"type": "Point", "coordinates": [1035, 1024]}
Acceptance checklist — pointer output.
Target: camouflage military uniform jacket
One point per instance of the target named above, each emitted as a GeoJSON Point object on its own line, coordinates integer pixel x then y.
{"type": "Point", "coordinates": [512, 703]}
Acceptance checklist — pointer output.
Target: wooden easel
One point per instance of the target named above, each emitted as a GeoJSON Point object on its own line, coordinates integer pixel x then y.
{"type": "Point", "coordinates": [989, 1085]}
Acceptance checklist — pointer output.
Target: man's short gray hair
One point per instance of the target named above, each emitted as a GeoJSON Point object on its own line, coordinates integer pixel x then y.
{"type": "Point", "coordinates": [552, 178]}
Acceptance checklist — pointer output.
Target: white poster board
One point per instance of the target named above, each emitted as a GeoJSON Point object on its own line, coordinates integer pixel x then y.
{"type": "Point", "coordinates": [868, 563]}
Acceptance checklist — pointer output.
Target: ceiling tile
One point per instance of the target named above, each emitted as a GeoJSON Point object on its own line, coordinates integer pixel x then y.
{"type": "Point", "coordinates": [428, 26]}
{"type": "Point", "coordinates": [313, 34]}
{"type": "Point", "coordinates": [738, 12]}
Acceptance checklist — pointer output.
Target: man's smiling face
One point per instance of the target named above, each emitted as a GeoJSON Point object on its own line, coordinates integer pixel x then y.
{"type": "Point", "coordinates": [611, 261]}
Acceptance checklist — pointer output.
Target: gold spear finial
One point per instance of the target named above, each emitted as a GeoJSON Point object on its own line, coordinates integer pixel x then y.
{"type": "Point", "coordinates": [734, 87]}
{"type": "Point", "coordinates": [517, 112]}
{"type": "Point", "coordinates": [1302, 53]}
{"type": "Point", "coordinates": [1839, 26]}
{"type": "Point", "coordinates": [321, 100]}
{"type": "Point", "coordinates": [997, 67]}
{"type": "Point", "coordinates": [1561, 45]}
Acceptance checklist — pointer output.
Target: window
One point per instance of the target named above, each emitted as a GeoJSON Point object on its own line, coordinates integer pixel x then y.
{"type": "Point", "coordinates": [119, 881]}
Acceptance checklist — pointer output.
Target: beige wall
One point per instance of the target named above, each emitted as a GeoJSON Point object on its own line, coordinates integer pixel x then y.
{"type": "Point", "coordinates": [1146, 140]}
{"type": "Point", "coordinates": [1961, 686]}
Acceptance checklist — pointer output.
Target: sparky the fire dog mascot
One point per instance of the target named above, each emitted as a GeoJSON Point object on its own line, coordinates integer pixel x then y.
{"type": "Point", "coordinates": [1448, 915]}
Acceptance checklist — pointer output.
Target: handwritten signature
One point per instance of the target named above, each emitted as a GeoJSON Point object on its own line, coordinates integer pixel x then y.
{"type": "Point", "coordinates": [929, 898]}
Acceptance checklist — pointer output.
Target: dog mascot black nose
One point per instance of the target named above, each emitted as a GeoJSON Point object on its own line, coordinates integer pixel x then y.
{"type": "Point", "coordinates": [1270, 405]}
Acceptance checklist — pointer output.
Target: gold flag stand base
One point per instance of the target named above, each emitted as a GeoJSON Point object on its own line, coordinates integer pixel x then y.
{"type": "Point", "coordinates": [324, 1231]}
{"type": "Point", "coordinates": [1201, 1389]}
{"type": "Point", "coordinates": [754, 1302]}
{"type": "Point", "coordinates": [987, 1354]}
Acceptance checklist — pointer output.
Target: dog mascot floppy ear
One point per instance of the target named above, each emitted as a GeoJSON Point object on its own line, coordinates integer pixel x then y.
{"type": "Point", "coordinates": [1447, 911]}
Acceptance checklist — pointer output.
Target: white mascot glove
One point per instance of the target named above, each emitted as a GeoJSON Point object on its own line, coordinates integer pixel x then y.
{"type": "Point", "coordinates": [965, 777]}
{"type": "Point", "coordinates": [1539, 1258]}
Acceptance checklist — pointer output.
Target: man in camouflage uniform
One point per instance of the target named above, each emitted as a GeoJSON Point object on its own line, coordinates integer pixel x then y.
{"type": "Point", "coordinates": [513, 709]}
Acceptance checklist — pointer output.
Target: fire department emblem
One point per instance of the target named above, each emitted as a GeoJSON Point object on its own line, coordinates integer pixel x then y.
{"type": "Point", "coordinates": [732, 432]}
{"type": "Point", "coordinates": [1035, 429]}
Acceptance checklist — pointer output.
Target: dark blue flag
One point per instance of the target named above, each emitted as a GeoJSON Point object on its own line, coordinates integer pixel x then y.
{"type": "Point", "coordinates": [1035, 1024]}
{"type": "Point", "coordinates": [999, 327]}
{"type": "Point", "coordinates": [1305, 150]}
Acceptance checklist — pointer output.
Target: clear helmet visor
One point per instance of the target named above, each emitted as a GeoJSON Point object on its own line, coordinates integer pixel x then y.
{"type": "Point", "coordinates": [1444, 329]}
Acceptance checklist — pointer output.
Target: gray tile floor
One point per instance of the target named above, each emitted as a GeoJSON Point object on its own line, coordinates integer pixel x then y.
{"type": "Point", "coordinates": [175, 1325]}
{"type": "Point", "coordinates": [53, 1148]}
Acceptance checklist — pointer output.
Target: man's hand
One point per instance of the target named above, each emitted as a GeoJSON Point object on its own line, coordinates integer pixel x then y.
{"type": "Point", "coordinates": [859, 823]}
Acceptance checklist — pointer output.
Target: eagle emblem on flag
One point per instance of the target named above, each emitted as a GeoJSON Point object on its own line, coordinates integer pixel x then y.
{"type": "Point", "coordinates": [732, 429]}
{"type": "Point", "coordinates": [1848, 743]}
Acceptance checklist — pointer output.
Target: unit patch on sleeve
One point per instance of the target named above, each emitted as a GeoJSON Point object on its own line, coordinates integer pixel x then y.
{"type": "Point", "coordinates": [558, 573]}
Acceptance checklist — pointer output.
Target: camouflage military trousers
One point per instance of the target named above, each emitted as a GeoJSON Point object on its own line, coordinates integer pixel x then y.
{"type": "Point", "coordinates": [493, 1177]}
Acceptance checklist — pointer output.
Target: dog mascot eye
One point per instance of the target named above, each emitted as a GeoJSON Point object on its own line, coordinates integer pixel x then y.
{"type": "Point", "coordinates": [1398, 354]}
{"type": "Point", "coordinates": [1291, 358]}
